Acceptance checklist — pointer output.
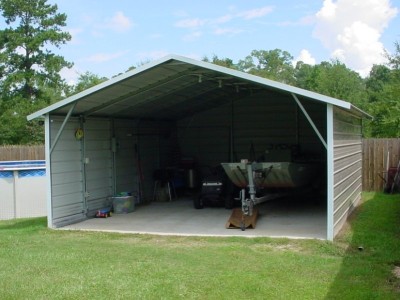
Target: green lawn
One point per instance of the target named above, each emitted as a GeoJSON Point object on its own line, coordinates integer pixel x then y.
{"type": "Point", "coordinates": [38, 263]}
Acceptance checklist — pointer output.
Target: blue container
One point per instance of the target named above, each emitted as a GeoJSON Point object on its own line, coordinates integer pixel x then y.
{"type": "Point", "coordinates": [123, 204]}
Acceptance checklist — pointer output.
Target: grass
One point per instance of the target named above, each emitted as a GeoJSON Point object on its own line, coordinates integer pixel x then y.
{"type": "Point", "coordinates": [39, 263]}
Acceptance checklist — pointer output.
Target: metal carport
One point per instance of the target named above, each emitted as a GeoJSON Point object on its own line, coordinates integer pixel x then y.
{"type": "Point", "coordinates": [133, 122]}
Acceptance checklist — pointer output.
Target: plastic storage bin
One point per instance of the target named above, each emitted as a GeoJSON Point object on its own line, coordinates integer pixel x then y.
{"type": "Point", "coordinates": [123, 204]}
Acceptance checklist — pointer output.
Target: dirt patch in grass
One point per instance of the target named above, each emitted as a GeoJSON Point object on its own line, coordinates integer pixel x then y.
{"type": "Point", "coordinates": [272, 247]}
{"type": "Point", "coordinates": [394, 280]}
{"type": "Point", "coordinates": [396, 272]}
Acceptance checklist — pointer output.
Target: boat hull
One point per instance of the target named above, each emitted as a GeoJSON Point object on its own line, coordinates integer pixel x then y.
{"type": "Point", "coordinates": [271, 175]}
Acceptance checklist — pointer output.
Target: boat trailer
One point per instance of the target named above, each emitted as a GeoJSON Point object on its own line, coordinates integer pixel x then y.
{"type": "Point", "coordinates": [253, 177]}
{"type": "Point", "coordinates": [251, 172]}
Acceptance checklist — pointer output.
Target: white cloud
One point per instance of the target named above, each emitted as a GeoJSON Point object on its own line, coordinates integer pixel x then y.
{"type": "Point", "coordinates": [119, 22]}
{"type": "Point", "coordinates": [306, 57]}
{"type": "Point", "coordinates": [223, 19]}
{"type": "Point", "coordinates": [190, 23]}
{"type": "Point", "coordinates": [351, 30]}
{"type": "Point", "coordinates": [256, 13]}
{"type": "Point", "coordinates": [212, 25]}
{"type": "Point", "coordinates": [104, 57]}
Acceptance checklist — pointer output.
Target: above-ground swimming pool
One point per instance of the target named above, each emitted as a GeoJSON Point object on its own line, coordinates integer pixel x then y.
{"type": "Point", "coordinates": [22, 189]}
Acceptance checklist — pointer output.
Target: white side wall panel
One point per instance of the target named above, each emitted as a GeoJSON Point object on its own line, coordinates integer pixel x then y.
{"type": "Point", "coordinates": [347, 165]}
{"type": "Point", "coordinates": [67, 189]}
{"type": "Point", "coordinates": [98, 163]}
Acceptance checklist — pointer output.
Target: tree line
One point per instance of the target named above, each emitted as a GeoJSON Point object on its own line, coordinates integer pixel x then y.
{"type": "Point", "coordinates": [30, 74]}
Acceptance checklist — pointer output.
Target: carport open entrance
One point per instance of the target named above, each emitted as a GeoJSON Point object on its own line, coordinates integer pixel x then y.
{"type": "Point", "coordinates": [191, 148]}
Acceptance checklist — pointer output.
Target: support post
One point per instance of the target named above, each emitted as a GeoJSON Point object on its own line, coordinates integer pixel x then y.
{"type": "Point", "coordinates": [49, 198]}
{"type": "Point", "coordinates": [330, 168]}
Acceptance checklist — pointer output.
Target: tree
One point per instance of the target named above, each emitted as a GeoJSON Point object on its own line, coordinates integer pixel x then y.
{"type": "Point", "coordinates": [394, 60]}
{"type": "Point", "coordinates": [336, 80]}
{"type": "Point", "coordinates": [87, 80]}
{"type": "Point", "coordinates": [29, 71]}
{"type": "Point", "coordinates": [333, 79]}
{"type": "Point", "coordinates": [26, 64]}
{"type": "Point", "coordinates": [306, 76]}
{"type": "Point", "coordinates": [224, 62]}
{"type": "Point", "coordinates": [383, 86]}
{"type": "Point", "coordinates": [378, 77]}
{"type": "Point", "coordinates": [273, 64]}
{"type": "Point", "coordinates": [14, 129]}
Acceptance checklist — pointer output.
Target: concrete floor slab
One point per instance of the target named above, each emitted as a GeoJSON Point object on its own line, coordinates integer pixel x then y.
{"type": "Point", "coordinates": [278, 218]}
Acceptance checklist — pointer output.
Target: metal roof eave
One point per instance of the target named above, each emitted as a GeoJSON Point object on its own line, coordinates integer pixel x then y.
{"type": "Point", "coordinates": [97, 88]}
{"type": "Point", "coordinates": [208, 66]}
{"type": "Point", "coordinates": [359, 112]}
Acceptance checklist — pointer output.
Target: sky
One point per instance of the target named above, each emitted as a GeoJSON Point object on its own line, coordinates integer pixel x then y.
{"type": "Point", "coordinates": [108, 37]}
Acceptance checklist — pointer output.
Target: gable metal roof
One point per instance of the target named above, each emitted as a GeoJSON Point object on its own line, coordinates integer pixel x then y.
{"type": "Point", "coordinates": [172, 88]}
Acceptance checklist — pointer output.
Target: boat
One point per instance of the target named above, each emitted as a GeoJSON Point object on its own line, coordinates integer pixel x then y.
{"type": "Point", "coordinates": [271, 174]}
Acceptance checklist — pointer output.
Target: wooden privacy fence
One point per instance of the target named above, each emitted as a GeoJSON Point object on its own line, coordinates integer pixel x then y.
{"type": "Point", "coordinates": [15, 153]}
{"type": "Point", "coordinates": [378, 156]}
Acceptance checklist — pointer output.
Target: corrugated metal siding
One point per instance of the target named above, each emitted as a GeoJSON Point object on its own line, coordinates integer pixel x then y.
{"type": "Point", "coordinates": [207, 144]}
{"type": "Point", "coordinates": [66, 174]}
{"type": "Point", "coordinates": [264, 120]}
{"type": "Point", "coordinates": [126, 164]}
{"type": "Point", "coordinates": [347, 137]}
{"type": "Point", "coordinates": [149, 155]}
{"type": "Point", "coordinates": [142, 147]}
{"type": "Point", "coordinates": [99, 170]}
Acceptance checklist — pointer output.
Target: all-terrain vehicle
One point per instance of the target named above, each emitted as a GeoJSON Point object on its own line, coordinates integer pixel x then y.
{"type": "Point", "coordinates": [216, 190]}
